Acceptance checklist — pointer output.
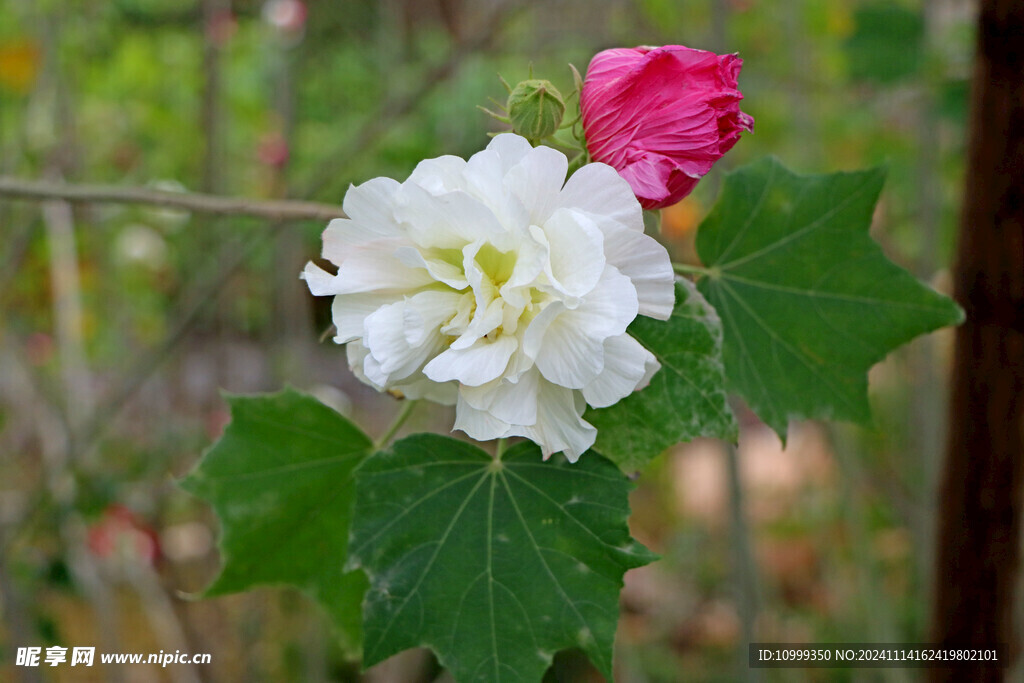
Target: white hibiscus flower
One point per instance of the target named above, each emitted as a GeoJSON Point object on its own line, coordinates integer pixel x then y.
{"type": "Point", "coordinates": [489, 285]}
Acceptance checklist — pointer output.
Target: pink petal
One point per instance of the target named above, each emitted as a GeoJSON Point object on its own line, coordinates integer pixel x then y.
{"type": "Point", "coordinates": [662, 116]}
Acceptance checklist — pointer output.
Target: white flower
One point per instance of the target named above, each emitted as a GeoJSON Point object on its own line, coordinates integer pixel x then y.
{"type": "Point", "coordinates": [488, 285]}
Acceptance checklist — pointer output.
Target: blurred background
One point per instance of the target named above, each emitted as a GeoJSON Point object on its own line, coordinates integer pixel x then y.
{"type": "Point", "coordinates": [120, 325]}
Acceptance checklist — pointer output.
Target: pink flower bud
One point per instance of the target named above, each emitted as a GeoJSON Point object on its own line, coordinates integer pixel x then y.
{"type": "Point", "coordinates": [662, 116]}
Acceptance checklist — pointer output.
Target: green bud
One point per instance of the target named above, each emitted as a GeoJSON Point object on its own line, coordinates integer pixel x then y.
{"type": "Point", "coordinates": [535, 109]}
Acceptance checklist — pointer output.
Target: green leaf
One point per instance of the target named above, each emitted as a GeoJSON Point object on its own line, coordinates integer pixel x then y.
{"type": "Point", "coordinates": [808, 301]}
{"type": "Point", "coordinates": [494, 565]}
{"type": "Point", "coordinates": [686, 399]}
{"type": "Point", "coordinates": [280, 480]}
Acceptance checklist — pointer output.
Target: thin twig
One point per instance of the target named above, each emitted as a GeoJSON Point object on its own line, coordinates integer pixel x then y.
{"type": "Point", "coordinates": [276, 209]}
{"type": "Point", "coordinates": [396, 424]}
{"type": "Point", "coordinates": [215, 14]}
{"type": "Point", "coordinates": [67, 308]}
{"type": "Point", "coordinates": [160, 613]}
{"type": "Point", "coordinates": [744, 567]}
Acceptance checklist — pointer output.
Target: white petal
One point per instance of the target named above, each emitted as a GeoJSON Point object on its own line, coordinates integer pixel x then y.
{"type": "Point", "coordinates": [511, 402]}
{"type": "Point", "coordinates": [445, 393]}
{"type": "Point", "coordinates": [534, 335]}
{"type": "Point", "coordinates": [485, 180]}
{"type": "Point", "coordinates": [449, 220]}
{"type": "Point", "coordinates": [374, 267]}
{"type": "Point", "coordinates": [511, 212]}
{"type": "Point", "coordinates": [483, 287]}
{"type": "Point", "coordinates": [599, 189]}
{"type": "Point", "coordinates": [416, 387]}
{"type": "Point", "coordinates": [371, 205]}
{"type": "Point", "coordinates": [644, 261]}
{"type": "Point", "coordinates": [320, 282]}
{"type": "Point", "coordinates": [425, 312]}
{"type": "Point", "coordinates": [651, 368]}
{"type": "Point", "coordinates": [568, 355]}
{"type": "Point", "coordinates": [510, 149]}
{"type": "Point", "coordinates": [440, 175]}
{"type": "Point", "coordinates": [627, 367]}
{"type": "Point", "coordinates": [609, 308]}
{"type": "Point", "coordinates": [537, 180]}
{"type": "Point", "coordinates": [463, 310]}
{"type": "Point", "coordinates": [386, 342]}
{"type": "Point", "coordinates": [484, 173]}
{"type": "Point", "coordinates": [606, 312]}
{"type": "Point", "coordinates": [350, 310]}
{"type": "Point", "coordinates": [559, 426]}
{"type": "Point", "coordinates": [402, 336]}
{"type": "Point", "coordinates": [484, 321]}
{"type": "Point", "coordinates": [575, 251]}
{"type": "Point", "coordinates": [357, 355]}
{"type": "Point", "coordinates": [476, 365]}
{"type": "Point", "coordinates": [518, 364]}
{"type": "Point", "coordinates": [343, 235]}
{"type": "Point", "coordinates": [478, 424]}
{"type": "Point", "coordinates": [568, 344]}
{"type": "Point", "coordinates": [531, 257]}
{"type": "Point", "coordinates": [439, 269]}
{"type": "Point", "coordinates": [489, 313]}
{"type": "Point", "coordinates": [375, 374]}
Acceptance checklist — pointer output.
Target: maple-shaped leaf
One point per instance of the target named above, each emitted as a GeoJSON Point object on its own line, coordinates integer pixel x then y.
{"type": "Point", "coordinates": [495, 565]}
{"type": "Point", "coordinates": [808, 300]}
{"type": "Point", "coordinates": [280, 481]}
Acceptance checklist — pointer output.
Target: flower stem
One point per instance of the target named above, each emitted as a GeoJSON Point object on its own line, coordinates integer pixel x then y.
{"type": "Point", "coordinates": [500, 449]}
{"type": "Point", "coordinates": [396, 424]}
{"type": "Point", "coordinates": [686, 269]}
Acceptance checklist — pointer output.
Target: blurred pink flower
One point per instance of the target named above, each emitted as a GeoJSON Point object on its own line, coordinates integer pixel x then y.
{"type": "Point", "coordinates": [662, 116]}
{"type": "Point", "coordinates": [272, 150]}
{"type": "Point", "coordinates": [286, 15]}
{"type": "Point", "coordinates": [121, 535]}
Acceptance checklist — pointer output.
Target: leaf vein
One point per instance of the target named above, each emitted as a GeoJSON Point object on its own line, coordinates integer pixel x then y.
{"type": "Point", "coordinates": [797, 234]}
{"type": "Point", "coordinates": [433, 558]}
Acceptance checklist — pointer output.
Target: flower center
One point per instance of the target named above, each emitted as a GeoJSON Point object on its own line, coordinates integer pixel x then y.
{"type": "Point", "coordinates": [497, 302]}
{"type": "Point", "coordinates": [496, 265]}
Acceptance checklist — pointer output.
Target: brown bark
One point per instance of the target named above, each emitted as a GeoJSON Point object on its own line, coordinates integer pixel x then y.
{"type": "Point", "coordinates": [982, 491]}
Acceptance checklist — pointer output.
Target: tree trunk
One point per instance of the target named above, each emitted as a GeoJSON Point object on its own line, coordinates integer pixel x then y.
{"type": "Point", "coordinates": [982, 491]}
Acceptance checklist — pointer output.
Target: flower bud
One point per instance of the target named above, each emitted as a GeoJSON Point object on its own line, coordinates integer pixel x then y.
{"type": "Point", "coordinates": [662, 116]}
{"type": "Point", "coordinates": [535, 109]}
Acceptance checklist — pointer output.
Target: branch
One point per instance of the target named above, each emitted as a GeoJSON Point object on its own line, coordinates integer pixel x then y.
{"type": "Point", "coordinates": [278, 209]}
